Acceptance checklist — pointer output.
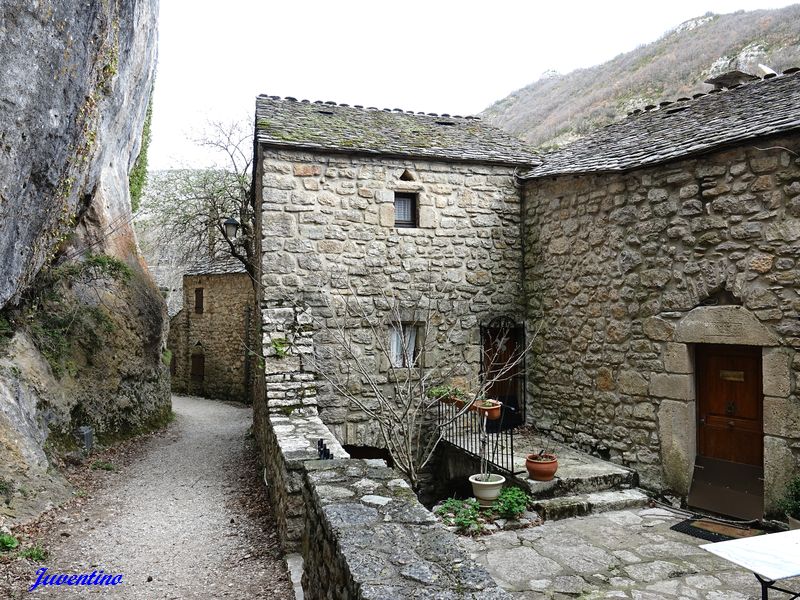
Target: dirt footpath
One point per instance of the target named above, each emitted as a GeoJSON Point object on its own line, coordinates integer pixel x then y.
{"type": "Point", "coordinates": [188, 518]}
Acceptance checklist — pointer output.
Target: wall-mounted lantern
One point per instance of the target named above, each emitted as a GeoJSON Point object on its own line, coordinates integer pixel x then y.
{"type": "Point", "coordinates": [231, 226]}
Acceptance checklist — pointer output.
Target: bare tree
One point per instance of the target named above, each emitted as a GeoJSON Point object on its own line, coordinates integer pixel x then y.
{"type": "Point", "coordinates": [185, 210]}
{"type": "Point", "coordinates": [410, 362]}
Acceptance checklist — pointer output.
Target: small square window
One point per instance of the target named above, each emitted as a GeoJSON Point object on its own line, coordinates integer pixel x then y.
{"type": "Point", "coordinates": [405, 210]}
{"type": "Point", "coordinates": [404, 344]}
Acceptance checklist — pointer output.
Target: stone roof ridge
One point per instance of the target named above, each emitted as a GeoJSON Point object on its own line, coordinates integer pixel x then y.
{"type": "Point", "coordinates": [696, 96]}
{"type": "Point", "coordinates": [370, 108]}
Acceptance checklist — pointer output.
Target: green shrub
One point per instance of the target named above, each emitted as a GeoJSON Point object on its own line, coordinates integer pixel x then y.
{"type": "Point", "coordinates": [463, 514]}
{"type": "Point", "coordinates": [511, 503]}
{"type": "Point", "coordinates": [790, 503]}
{"type": "Point", "coordinates": [7, 542]}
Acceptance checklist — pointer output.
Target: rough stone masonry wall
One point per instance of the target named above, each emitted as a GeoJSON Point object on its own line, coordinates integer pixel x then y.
{"type": "Point", "coordinates": [615, 262]}
{"type": "Point", "coordinates": [328, 224]}
{"type": "Point", "coordinates": [223, 331]}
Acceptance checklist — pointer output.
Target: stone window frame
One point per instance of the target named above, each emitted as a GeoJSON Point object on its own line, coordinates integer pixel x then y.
{"type": "Point", "coordinates": [413, 198]}
{"type": "Point", "coordinates": [199, 300]}
{"type": "Point", "coordinates": [415, 351]}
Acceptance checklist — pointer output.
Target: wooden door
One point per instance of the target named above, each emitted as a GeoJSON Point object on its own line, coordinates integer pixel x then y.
{"type": "Point", "coordinates": [730, 404]}
{"type": "Point", "coordinates": [503, 366]}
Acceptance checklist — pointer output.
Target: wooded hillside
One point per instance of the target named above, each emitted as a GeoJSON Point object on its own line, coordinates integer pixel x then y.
{"type": "Point", "coordinates": [557, 109]}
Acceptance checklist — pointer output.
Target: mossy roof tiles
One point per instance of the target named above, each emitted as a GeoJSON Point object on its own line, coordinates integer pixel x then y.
{"type": "Point", "coordinates": [285, 122]}
{"type": "Point", "coordinates": [682, 129]}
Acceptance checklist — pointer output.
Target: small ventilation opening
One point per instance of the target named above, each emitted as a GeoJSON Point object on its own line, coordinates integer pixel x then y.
{"type": "Point", "coordinates": [407, 176]}
{"type": "Point", "coordinates": [446, 123]}
{"type": "Point", "coordinates": [325, 112]}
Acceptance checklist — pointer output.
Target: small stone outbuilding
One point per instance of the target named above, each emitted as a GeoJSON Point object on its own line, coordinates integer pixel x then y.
{"type": "Point", "coordinates": [212, 338]}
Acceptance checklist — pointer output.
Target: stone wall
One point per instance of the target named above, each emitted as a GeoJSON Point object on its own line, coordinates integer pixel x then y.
{"type": "Point", "coordinates": [617, 265]}
{"type": "Point", "coordinates": [222, 333]}
{"type": "Point", "coordinates": [359, 527]}
{"type": "Point", "coordinates": [328, 231]}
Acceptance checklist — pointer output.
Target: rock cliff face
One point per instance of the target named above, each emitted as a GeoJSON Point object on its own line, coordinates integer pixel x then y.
{"type": "Point", "coordinates": [82, 345]}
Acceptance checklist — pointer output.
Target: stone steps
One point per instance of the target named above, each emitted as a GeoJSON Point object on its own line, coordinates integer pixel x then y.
{"type": "Point", "coordinates": [583, 484]}
{"type": "Point", "coordinates": [563, 507]}
{"type": "Point", "coordinates": [569, 483]}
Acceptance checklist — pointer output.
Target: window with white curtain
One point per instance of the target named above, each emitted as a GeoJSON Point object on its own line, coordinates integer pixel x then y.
{"type": "Point", "coordinates": [403, 344]}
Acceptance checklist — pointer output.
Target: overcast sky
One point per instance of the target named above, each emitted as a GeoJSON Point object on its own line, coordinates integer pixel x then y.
{"type": "Point", "coordinates": [216, 56]}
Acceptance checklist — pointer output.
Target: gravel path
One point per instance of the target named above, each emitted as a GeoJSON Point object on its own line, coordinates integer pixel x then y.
{"type": "Point", "coordinates": [187, 519]}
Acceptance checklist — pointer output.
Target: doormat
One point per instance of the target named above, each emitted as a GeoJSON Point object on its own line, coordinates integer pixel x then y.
{"type": "Point", "coordinates": [713, 531]}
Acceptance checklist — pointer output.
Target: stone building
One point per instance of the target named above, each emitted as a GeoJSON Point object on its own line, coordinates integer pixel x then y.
{"type": "Point", "coordinates": [212, 335]}
{"type": "Point", "coordinates": [658, 256]}
{"type": "Point", "coordinates": [662, 253]}
{"type": "Point", "coordinates": [359, 201]}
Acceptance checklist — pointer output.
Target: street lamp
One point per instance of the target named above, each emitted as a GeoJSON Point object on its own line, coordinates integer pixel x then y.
{"type": "Point", "coordinates": [231, 226]}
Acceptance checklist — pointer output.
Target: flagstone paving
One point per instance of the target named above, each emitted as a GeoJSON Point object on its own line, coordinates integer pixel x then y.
{"type": "Point", "coordinates": [623, 554]}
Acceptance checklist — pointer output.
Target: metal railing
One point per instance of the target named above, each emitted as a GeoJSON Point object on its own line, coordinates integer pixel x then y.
{"type": "Point", "coordinates": [464, 432]}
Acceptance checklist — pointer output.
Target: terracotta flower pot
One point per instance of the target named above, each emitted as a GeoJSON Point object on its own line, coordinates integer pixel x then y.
{"type": "Point", "coordinates": [492, 412]}
{"type": "Point", "coordinates": [447, 399]}
{"type": "Point", "coordinates": [793, 523]}
{"type": "Point", "coordinates": [541, 467]}
{"type": "Point", "coordinates": [486, 492]}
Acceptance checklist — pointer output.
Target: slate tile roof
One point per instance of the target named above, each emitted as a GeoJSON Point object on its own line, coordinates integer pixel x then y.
{"type": "Point", "coordinates": [215, 266]}
{"type": "Point", "coordinates": [329, 126]}
{"type": "Point", "coordinates": [683, 128]}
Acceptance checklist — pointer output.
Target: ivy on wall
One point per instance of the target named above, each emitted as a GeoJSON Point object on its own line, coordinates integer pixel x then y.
{"type": "Point", "coordinates": [138, 175]}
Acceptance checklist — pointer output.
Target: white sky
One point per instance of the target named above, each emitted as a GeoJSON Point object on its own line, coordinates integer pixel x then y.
{"type": "Point", "coordinates": [216, 56]}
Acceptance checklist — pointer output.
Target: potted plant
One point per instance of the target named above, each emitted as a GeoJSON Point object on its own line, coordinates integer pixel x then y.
{"type": "Point", "coordinates": [486, 487]}
{"type": "Point", "coordinates": [488, 407]}
{"type": "Point", "coordinates": [448, 394]}
{"type": "Point", "coordinates": [790, 503]}
{"type": "Point", "coordinates": [542, 465]}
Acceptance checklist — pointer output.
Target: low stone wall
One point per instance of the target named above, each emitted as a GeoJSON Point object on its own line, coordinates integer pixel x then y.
{"type": "Point", "coordinates": [287, 442]}
{"type": "Point", "coordinates": [361, 530]}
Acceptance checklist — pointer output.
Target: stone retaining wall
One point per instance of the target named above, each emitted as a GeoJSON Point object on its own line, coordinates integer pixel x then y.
{"type": "Point", "coordinates": [361, 530]}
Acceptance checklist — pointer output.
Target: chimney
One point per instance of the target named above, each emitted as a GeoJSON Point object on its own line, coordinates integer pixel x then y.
{"type": "Point", "coordinates": [730, 79]}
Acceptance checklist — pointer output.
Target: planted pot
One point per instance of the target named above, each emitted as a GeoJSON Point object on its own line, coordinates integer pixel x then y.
{"type": "Point", "coordinates": [793, 523]}
{"type": "Point", "coordinates": [486, 489]}
{"type": "Point", "coordinates": [541, 467]}
{"type": "Point", "coordinates": [490, 408]}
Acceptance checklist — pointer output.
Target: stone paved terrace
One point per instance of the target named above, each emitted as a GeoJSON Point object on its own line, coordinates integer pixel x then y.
{"type": "Point", "coordinates": [622, 554]}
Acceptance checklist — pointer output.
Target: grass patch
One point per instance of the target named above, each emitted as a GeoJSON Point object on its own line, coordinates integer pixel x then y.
{"type": "Point", "coordinates": [103, 465]}
{"type": "Point", "coordinates": [35, 553]}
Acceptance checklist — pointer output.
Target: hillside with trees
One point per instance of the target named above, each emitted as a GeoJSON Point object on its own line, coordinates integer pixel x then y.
{"type": "Point", "coordinates": [558, 109]}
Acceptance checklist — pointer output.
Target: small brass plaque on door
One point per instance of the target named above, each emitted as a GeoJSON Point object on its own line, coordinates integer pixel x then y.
{"type": "Point", "coordinates": [731, 375]}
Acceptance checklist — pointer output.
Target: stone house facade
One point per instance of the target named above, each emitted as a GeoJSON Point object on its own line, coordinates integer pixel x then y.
{"type": "Point", "coordinates": [330, 230]}
{"type": "Point", "coordinates": [658, 256]}
{"type": "Point", "coordinates": [213, 336]}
